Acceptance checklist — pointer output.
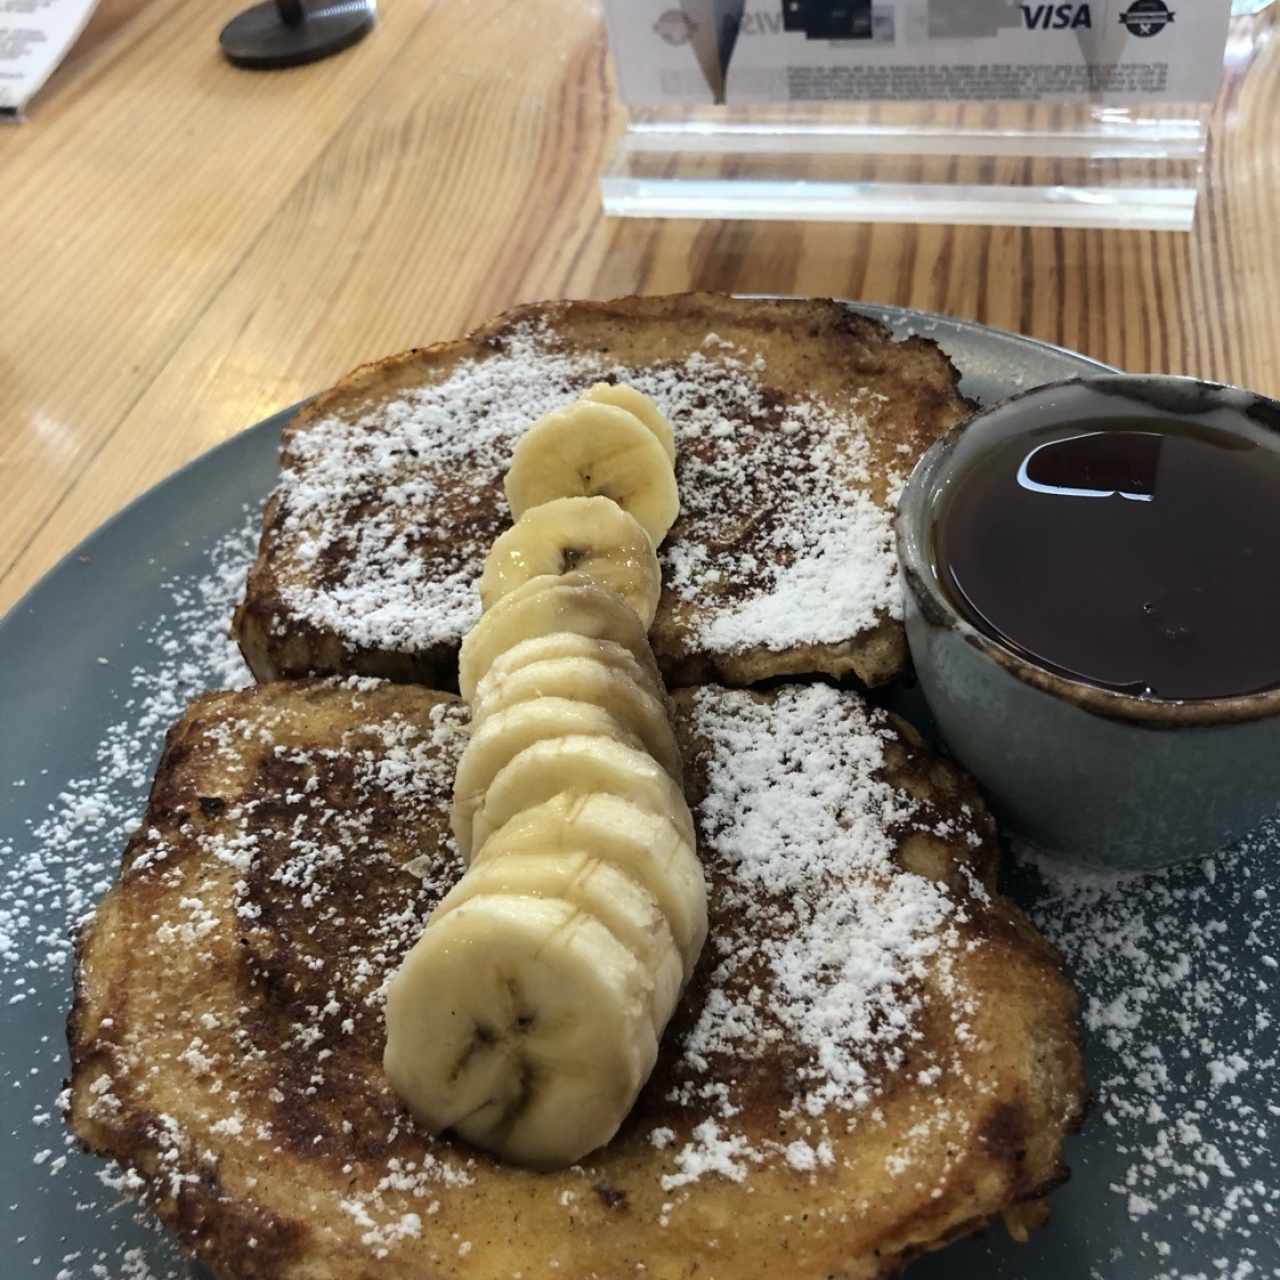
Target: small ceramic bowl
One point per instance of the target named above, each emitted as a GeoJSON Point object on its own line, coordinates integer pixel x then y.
{"type": "Point", "coordinates": [1102, 778]}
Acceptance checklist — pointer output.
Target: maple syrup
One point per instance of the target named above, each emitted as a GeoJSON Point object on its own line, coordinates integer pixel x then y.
{"type": "Point", "coordinates": [1140, 555]}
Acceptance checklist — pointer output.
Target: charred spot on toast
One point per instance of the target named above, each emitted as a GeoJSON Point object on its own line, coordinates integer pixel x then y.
{"type": "Point", "coordinates": [611, 1197]}
{"type": "Point", "coordinates": [1004, 1132]}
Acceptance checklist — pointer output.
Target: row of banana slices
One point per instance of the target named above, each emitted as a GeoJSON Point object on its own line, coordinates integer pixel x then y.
{"type": "Point", "coordinates": [528, 1015]}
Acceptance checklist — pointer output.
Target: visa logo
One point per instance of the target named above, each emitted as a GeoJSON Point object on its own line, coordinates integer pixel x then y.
{"type": "Point", "coordinates": [1056, 17]}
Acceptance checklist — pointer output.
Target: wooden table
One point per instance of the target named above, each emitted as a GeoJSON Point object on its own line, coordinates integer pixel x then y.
{"type": "Point", "coordinates": [190, 247]}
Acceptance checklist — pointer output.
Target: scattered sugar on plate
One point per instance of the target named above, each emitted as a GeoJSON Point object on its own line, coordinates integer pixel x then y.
{"type": "Point", "coordinates": [1181, 1002]}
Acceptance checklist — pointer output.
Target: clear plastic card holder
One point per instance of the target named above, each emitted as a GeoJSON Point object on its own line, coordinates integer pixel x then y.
{"type": "Point", "coordinates": [1087, 153]}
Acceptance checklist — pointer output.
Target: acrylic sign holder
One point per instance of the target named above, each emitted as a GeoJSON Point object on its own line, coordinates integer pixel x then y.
{"type": "Point", "coordinates": [1073, 162]}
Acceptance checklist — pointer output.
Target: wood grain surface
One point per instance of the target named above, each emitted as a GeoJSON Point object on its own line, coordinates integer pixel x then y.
{"type": "Point", "coordinates": [188, 247]}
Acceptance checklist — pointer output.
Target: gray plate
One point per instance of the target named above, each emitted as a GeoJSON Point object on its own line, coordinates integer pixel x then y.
{"type": "Point", "coordinates": [60, 699]}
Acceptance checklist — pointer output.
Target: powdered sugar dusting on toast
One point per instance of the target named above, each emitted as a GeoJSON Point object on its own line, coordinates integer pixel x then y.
{"type": "Point", "coordinates": [407, 498]}
{"type": "Point", "coordinates": [288, 868]}
{"type": "Point", "coordinates": [831, 941]}
{"type": "Point", "coordinates": [780, 542]}
{"type": "Point", "coordinates": [387, 519]}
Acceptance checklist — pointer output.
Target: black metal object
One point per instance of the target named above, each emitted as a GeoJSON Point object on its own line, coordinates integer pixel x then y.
{"type": "Point", "coordinates": [828, 19]}
{"type": "Point", "coordinates": [288, 33]}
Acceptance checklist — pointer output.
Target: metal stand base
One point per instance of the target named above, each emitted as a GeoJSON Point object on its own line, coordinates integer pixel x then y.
{"type": "Point", "coordinates": [285, 33]}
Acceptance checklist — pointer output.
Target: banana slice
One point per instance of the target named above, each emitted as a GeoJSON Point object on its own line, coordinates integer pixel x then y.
{"type": "Point", "coordinates": [589, 449]}
{"type": "Point", "coordinates": [636, 402]}
{"type": "Point", "coordinates": [627, 909]}
{"type": "Point", "coordinates": [579, 766]}
{"type": "Point", "coordinates": [571, 602]}
{"type": "Point", "coordinates": [506, 733]}
{"type": "Point", "coordinates": [522, 1024]}
{"type": "Point", "coordinates": [593, 535]}
{"type": "Point", "coordinates": [568, 644]}
{"type": "Point", "coordinates": [586, 680]}
{"type": "Point", "coordinates": [647, 846]}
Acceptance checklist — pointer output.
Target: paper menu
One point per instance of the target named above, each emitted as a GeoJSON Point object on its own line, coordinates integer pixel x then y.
{"type": "Point", "coordinates": [34, 37]}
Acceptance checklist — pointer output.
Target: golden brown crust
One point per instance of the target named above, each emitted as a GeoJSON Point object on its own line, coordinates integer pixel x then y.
{"type": "Point", "coordinates": [904, 395]}
{"type": "Point", "coordinates": [266, 893]}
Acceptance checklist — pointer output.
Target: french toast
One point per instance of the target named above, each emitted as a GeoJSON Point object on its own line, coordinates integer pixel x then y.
{"type": "Point", "coordinates": [796, 423]}
{"type": "Point", "coordinates": [876, 1054]}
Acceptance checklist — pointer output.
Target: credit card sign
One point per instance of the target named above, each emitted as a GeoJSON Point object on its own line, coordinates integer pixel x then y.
{"type": "Point", "coordinates": [762, 51]}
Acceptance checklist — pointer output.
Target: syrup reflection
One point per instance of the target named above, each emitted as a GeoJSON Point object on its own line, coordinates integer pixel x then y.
{"type": "Point", "coordinates": [1095, 464]}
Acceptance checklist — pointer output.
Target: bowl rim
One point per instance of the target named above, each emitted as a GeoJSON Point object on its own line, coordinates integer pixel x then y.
{"type": "Point", "coordinates": [912, 521]}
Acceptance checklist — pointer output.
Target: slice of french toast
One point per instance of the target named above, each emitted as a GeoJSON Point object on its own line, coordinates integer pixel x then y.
{"type": "Point", "coordinates": [796, 424]}
{"type": "Point", "coordinates": [876, 1054]}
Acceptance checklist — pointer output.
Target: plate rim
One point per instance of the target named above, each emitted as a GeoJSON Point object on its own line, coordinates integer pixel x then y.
{"type": "Point", "coordinates": [25, 601]}
{"type": "Point", "coordinates": [900, 313]}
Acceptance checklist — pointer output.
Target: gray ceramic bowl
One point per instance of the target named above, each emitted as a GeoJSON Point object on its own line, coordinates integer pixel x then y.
{"type": "Point", "coordinates": [1103, 778]}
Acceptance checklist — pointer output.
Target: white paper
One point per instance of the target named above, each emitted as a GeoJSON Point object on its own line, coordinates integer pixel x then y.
{"type": "Point", "coordinates": [34, 37]}
{"type": "Point", "coordinates": [1098, 51]}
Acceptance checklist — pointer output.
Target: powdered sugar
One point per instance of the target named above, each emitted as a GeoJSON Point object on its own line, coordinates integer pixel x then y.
{"type": "Point", "coordinates": [72, 854]}
{"type": "Point", "coordinates": [800, 830]}
{"type": "Point", "coordinates": [386, 518]}
{"type": "Point", "coordinates": [391, 767]}
{"type": "Point", "coordinates": [424, 474]}
{"type": "Point", "coordinates": [1179, 1007]}
{"type": "Point", "coordinates": [712, 1152]}
{"type": "Point", "coordinates": [831, 577]}
{"type": "Point", "coordinates": [50, 880]}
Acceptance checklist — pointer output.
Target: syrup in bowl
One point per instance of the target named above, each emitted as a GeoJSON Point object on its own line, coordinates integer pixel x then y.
{"type": "Point", "coordinates": [1135, 554]}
